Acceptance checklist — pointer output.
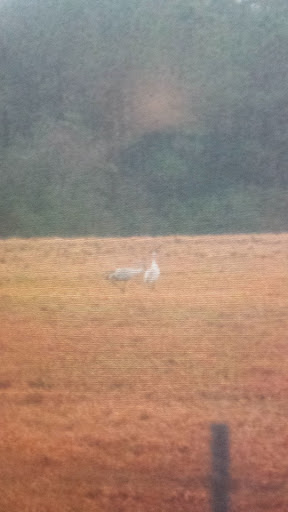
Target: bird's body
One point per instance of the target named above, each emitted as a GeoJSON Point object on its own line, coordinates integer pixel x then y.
{"type": "Point", "coordinates": [125, 274]}
{"type": "Point", "coordinates": [152, 273]}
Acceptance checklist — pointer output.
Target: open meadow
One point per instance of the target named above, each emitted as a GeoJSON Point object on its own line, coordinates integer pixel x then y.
{"type": "Point", "coordinates": [107, 397]}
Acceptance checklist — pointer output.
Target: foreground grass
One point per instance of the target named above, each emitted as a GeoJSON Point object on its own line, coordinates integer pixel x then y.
{"type": "Point", "coordinates": [106, 398]}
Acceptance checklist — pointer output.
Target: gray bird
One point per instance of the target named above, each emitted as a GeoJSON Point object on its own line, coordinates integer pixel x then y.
{"type": "Point", "coordinates": [123, 275]}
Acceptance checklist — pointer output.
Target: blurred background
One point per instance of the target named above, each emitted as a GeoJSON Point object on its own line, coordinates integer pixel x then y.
{"type": "Point", "coordinates": [153, 117]}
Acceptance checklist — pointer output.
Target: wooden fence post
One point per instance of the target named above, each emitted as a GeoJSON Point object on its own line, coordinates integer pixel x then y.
{"type": "Point", "coordinates": [220, 481]}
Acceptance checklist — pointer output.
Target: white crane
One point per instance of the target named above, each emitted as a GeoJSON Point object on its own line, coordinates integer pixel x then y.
{"type": "Point", "coordinates": [124, 275]}
{"type": "Point", "coordinates": [153, 272]}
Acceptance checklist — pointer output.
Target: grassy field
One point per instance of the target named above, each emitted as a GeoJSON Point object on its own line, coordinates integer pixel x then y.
{"type": "Point", "coordinates": [107, 397]}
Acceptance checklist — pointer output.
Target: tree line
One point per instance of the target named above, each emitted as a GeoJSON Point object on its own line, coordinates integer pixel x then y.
{"type": "Point", "coordinates": [148, 117]}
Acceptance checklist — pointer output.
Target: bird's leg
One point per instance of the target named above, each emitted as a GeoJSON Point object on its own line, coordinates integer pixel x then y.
{"type": "Point", "coordinates": [123, 288]}
{"type": "Point", "coordinates": [114, 283]}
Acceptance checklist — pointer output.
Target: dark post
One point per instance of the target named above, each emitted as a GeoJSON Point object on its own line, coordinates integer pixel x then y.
{"type": "Point", "coordinates": [220, 481]}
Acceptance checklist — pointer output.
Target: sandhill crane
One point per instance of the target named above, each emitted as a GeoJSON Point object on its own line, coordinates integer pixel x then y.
{"type": "Point", "coordinates": [124, 275]}
{"type": "Point", "coordinates": [153, 272]}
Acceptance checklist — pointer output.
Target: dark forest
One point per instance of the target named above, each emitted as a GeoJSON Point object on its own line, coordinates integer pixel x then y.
{"type": "Point", "coordinates": [153, 117]}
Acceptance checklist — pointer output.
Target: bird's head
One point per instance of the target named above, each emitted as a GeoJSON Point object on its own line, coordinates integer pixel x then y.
{"type": "Point", "coordinates": [156, 250]}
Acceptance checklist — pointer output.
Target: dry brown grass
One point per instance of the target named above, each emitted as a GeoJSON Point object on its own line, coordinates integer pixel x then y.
{"type": "Point", "coordinates": [106, 398]}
